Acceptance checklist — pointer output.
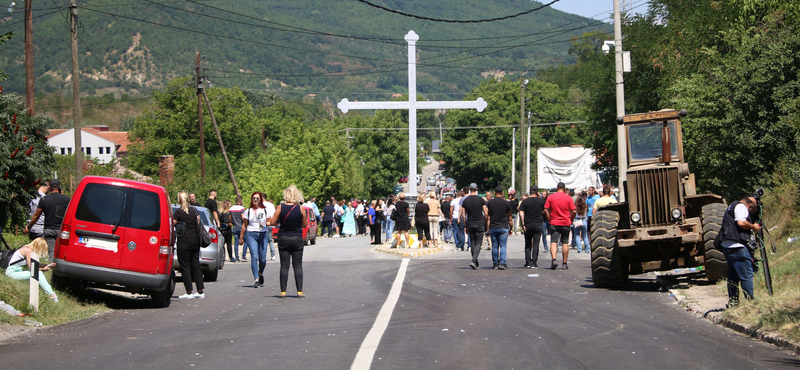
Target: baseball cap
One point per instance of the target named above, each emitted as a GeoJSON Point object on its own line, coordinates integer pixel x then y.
{"type": "Point", "coordinates": [473, 186]}
{"type": "Point", "coordinates": [55, 183]}
{"type": "Point", "coordinates": [498, 189]}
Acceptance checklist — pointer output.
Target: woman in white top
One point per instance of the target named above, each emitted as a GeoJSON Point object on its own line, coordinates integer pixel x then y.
{"type": "Point", "coordinates": [21, 259]}
{"type": "Point", "coordinates": [388, 223]}
{"type": "Point", "coordinates": [254, 233]}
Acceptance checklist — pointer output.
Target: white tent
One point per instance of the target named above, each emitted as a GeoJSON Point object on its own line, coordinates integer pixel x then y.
{"type": "Point", "coordinates": [570, 165]}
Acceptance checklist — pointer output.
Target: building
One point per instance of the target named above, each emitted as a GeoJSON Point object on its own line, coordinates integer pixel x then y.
{"type": "Point", "coordinates": [97, 142]}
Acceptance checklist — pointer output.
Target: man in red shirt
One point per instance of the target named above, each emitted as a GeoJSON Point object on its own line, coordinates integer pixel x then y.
{"type": "Point", "coordinates": [559, 210]}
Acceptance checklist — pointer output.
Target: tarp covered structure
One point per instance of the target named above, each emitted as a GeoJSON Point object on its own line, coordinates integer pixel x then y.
{"type": "Point", "coordinates": [570, 165]}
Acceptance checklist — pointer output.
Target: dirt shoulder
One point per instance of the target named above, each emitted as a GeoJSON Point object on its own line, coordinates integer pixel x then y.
{"type": "Point", "coordinates": [696, 295]}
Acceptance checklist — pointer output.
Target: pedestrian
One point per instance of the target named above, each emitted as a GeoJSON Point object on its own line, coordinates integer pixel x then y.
{"type": "Point", "coordinates": [339, 217]}
{"type": "Point", "coordinates": [545, 227]}
{"type": "Point", "coordinates": [380, 219]}
{"type": "Point", "coordinates": [580, 227]}
{"type": "Point", "coordinates": [559, 209]}
{"type": "Point", "coordinates": [21, 259]}
{"type": "Point", "coordinates": [193, 200]}
{"type": "Point", "coordinates": [254, 234]}
{"type": "Point", "coordinates": [360, 214]}
{"type": "Point", "coordinates": [349, 220]}
{"type": "Point", "coordinates": [211, 204]}
{"type": "Point", "coordinates": [514, 203]}
{"type": "Point", "coordinates": [736, 237]}
{"type": "Point", "coordinates": [388, 210]}
{"type": "Point", "coordinates": [500, 224]}
{"type": "Point", "coordinates": [312, 203]}
{"type": "Point", "coordinates": [189, 247]}
{"type": "Point", "coordinates": [51, 207]}
{"type": "Point", "coordinates": [446, 219]}
{"type": "Point", "coordinates": [269, 206]}
{"type": "Point", "coordinates": [292, 219]}
{"type": "Point", "coordinates": [402, 223]}
{"type": "Point", "coordinates": [421, 221]}
{"type": "Point", "coordinates": [236, 219]}
{"type": "Point", "coordinates": [374, 224]}
{"type": "Point", "coordinates": [605, 200]}
{"type": "Point", "coordinates": [327, 219]}
{"type": "Point", "coordinates": [226, 227]}
{"type": "Point", "coordinates": [473, 216]}
{"type": "Point", "coordinates": [531, 210]}
{"type": "Point", "coordinates": [37, 230]}
{"type": "Point", "coordinates": [457, 226]}
{"type": "Point", "coordinates": [434, 208]}
{"type": "Point", "coordinates": [591, 197]}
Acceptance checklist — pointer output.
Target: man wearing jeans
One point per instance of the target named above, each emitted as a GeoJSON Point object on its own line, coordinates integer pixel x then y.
{"type": "Point", "coordinates": [236, 220]}
{"type": "Point", "coordinates": [499, 223]}
{"type": "Point", "coordinates": [458, 227]}
{"type": "Point", "coordinates": [735, 234]}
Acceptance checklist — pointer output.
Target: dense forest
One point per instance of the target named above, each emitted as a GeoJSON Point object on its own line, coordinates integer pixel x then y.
{"type": "Point", "coordinates": [331, 48]}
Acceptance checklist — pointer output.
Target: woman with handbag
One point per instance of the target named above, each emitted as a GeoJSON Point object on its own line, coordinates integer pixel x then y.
{"type": "Point", "coordinates": [292, 218]}
{"type": "Point", "coordinates": [254, 232]}
{"type": "Point", "coordinates": [421, 221]}
{"type": "Point", "coordinates": [388, 221]}
{"type": "Point", "coordinates": [189, 247]}
{"type": "Point", "coordinates": [402, 223]}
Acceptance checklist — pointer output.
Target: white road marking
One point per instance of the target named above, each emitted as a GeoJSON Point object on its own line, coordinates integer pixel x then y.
{"type": "Point", "coordinates": [366, 353]}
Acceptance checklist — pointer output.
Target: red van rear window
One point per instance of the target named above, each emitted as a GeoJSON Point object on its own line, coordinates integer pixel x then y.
{"type": "Point", "coordinates": [108, 204]}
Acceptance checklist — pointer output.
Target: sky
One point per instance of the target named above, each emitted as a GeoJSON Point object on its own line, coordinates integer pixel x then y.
{"type": "Point", "coordinates": [596, 9]}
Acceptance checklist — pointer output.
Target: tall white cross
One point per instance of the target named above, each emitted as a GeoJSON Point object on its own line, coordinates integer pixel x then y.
{"type": "Point", "coordinates": [412, 105]}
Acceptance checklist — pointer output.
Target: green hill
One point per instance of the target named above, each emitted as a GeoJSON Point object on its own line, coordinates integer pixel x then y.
{"type": "Point", "coordinates": [332, 48]}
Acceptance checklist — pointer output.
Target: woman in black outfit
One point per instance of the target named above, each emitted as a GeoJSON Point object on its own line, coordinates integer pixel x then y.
{"type": "Point", "coordinates": [292, 219]}
{"type": "Point", "coordinates": [226, 227]}
{"type": "Point", "coordinates": [402, 223]}
{"type": "Point", "coordinates": [189, 247]}
{"type": "Point", "coordinates": [422, 221]}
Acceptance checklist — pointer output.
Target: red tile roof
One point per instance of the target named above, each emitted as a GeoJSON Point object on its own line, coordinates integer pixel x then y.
{"type": "Point", "coordinates": [119, 138]}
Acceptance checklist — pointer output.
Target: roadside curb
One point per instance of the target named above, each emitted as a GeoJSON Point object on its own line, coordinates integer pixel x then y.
{"type": "Point", "coordinates": [717, 317]}
{"type": "Point", "coordinates": [404, 252]}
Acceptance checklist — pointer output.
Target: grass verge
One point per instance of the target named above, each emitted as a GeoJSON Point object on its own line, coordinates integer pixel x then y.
{"type": "Point", "coordinates": [781, 311]}
{"type": "Point", "coordinates": [16, 293]}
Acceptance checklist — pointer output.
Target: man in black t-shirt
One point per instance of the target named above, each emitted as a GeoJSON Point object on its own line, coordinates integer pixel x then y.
{"type": "Point", "coordinates": [211, 204]}
{"type": "Point", "coordinates": [514, 203]}
{"type": "Point", "coordinates": [447, 230]}
{"type": "Point", "coordinates": [499, 225]}
{"type": "Point", "coordinates": [327, 218]}
{"type": "Point", "coordinates": [53, 206]}
{"type": "Point", "coordinates": [473, 216]}
{"type": "Point", "coordinates": [193, 200]}
{"type": "Point", "coordinates": [531, 210]}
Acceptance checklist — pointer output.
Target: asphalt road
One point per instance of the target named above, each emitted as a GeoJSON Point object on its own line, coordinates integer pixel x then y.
{"type": "Point", "coordinates": [447, 316]}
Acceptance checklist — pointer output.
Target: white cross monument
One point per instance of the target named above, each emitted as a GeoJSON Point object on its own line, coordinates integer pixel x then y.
{"type": "Point", "coordinates": [412, 105]}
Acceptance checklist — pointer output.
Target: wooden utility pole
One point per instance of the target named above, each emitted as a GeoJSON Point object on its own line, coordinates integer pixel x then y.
{"type": "Point", "coordinates": [221, 145]}
{"type": "Point", "coordinates": [76, 92]}
{"type": "Point", "coordinates": [522, 84]}
{"type": "Point", "coordinates": [29, 92]}
{"type": "Point", "coordinates": [200, 121]}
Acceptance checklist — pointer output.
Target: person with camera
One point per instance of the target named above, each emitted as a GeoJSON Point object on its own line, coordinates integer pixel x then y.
{"type": "Point", "coordinates": [736, 241]}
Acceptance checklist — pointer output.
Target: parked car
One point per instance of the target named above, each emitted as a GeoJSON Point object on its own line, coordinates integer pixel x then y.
{"type": "Point", "coordinates": [117, 234]}
{"type": "Point", "coordinates": [309, 232]}
{"type": "Point", "coordinates": [403, 179]}
{"type": "Point", "coordinates": [432, 181]}
{"type": "Point", "coordinates": [397, 189]}
{"type": "Point", "coordinates": [212, 258]}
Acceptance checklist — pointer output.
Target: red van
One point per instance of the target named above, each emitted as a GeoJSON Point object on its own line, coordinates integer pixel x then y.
{"type": "Point", "coordinates": [117, 234]}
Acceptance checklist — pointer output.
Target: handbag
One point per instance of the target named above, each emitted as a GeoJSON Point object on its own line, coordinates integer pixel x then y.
{"type": "Point", "coordinates": [202, 233]}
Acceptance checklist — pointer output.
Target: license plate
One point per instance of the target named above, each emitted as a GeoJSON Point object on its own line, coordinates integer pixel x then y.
{"type": "Point", "coordinates": [99, 243]}
{"type": "Point", "coordinates": [83, 240]}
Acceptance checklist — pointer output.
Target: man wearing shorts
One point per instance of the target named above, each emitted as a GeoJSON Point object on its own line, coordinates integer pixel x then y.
{"type": "Point", "coordinates": [560, 210]}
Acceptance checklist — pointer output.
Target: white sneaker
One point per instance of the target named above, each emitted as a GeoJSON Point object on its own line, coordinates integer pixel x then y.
{"type": "Point", "coordinates": [199, 295]}
{"type": "Point", "coordinates": [54, 298]}
{"type": "Point", "coordinates": [273, 258]}
{"type": "Point", "coordinates": [186, 296]}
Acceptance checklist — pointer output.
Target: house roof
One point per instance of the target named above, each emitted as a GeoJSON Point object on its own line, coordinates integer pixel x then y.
{"type": "Point", "coordinates": [119, 138]}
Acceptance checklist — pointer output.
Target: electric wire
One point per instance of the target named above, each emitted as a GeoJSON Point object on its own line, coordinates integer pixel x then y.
{"type": "Point", "coordinates": [455, 20]}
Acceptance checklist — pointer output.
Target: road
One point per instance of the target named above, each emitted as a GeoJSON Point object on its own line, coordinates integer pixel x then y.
{"type": "Point", "coordinates": [446, 316]}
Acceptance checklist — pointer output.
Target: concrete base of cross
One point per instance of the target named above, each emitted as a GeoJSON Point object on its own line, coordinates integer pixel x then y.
{"type": "Point", "coordinates": [413, 241]}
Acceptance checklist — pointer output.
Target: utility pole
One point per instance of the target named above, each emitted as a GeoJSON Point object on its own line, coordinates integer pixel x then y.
{"type": "Point", "coordinates": [523, 83]}
{"type": "Point", "coordinates": [76, 91]}
{"type": "Point", "coordinates": [29, 86]}
{"type": "Point", "coordinates": [221, 145]}
{"type": "Point", "coordinates": [514, 156]}
{"type": "Point", "coordinates": [199, 84]}
{"type": "Point", "coordinates": [622, 147]}
{"type": "Point", "coordinates": [528, 162]}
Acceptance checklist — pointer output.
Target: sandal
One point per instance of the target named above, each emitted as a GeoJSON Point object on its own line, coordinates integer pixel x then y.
{"type": "Point", "coordinates": [282, 295]}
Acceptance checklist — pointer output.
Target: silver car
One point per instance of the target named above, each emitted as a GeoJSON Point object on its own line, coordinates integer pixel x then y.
{"type": "Point", "coordinates": [212, 258]}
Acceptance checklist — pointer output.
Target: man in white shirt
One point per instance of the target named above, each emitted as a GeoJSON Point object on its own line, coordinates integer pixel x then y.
{"type": "Point", "coordinates": [38, 228]}
{"type": "Point", "coordinates": [362, 230]}
{"type": "Point", "coordinates": [458, 228]}
{"type": "Point", "coordinates": [736, 232]}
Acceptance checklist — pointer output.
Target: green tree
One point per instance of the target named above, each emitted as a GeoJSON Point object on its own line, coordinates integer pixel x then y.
{"type": "Point", "coordinates": [25, 158]}
{"type": "Point", "coordinates": [3, 38]}
{"type": "Point", "coordinates": [169, 126]}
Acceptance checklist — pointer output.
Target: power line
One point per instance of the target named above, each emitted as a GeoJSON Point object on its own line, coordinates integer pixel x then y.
{"type": "Point", "coordinates": [458, 127]}
{"type": "Point", "coordinates": [453, 20]}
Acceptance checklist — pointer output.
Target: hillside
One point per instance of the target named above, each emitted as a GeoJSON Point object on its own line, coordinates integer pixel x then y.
{"type": "Point", "coordinates": [135, 46]}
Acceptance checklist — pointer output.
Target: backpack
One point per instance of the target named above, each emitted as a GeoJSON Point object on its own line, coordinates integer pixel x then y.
{"type": "Point", "coordinates": [5, 257]}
